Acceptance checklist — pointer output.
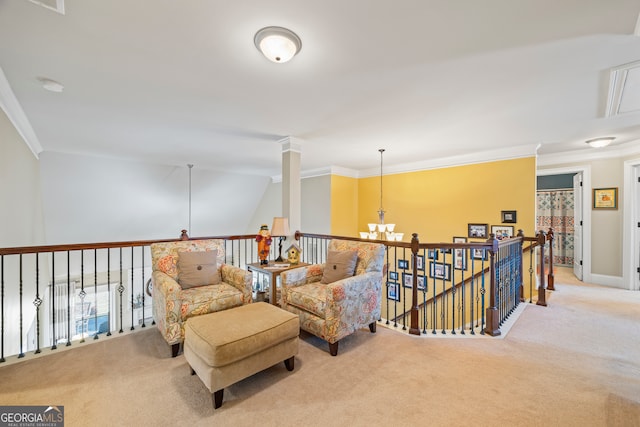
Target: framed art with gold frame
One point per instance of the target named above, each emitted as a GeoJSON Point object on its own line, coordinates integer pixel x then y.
{"type": "Point", "coordinates": [605, 198]}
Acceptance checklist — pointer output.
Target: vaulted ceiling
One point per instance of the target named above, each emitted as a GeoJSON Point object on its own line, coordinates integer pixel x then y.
{"type": "Point", "coordinates": [178, 82]}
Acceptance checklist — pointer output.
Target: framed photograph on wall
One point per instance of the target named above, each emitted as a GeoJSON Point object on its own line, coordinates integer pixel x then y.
{"type": "Point", "coordinates": [460, 259]}
{"type": "Point", "coordinates": [478, 231]}
{"type": "Point", "coordinates": [432, 253]}
{"type": "Point", "coordinates": [407, 280]}
{"type": "Point", "coordinates": [440, 270]}
{"type": "Point", "coordinates": [508, 217]}
{"type": "Point", "coordinates": [393, 291]}
{"type": "Point", "coordinates": [403, 264]}
{"type": "Point", "coordinates": [393, 275]}
{"type": "Point", "coordinates": [422, 283]}
{"type": "Point", "coordinates": [502, 231]}
{"type": "Point", "coordinates": [479, 254]}
{"type": "Point", "coordinates": [420, 262]}
{"type": "Point", "coordinates": [605, 198]}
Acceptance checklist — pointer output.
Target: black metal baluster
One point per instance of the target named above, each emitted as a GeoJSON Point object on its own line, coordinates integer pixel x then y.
{"type": "Point", "coordinates": [20, 323]}
{"type": "Point", "coordinates": [120, 291]}
{"type": "Point", "coordinates": [68, 299]}
{"type": "Point", "coordinates": [434, 301]}
{"type": "Point", "coordinates": [453, 291]}
{"type": "Point", "coordinates": [463, 288]}
{"type": "Point", "coordinates": [483, 291]}
{"type": "Point", "coordinates": [443, 303]}
{"type": "Point", "coordinates": [53, 301]}
{"type": "Point", "coordinates": [82, 295]}
{"type": "Point", "coordinates": [108, 292]}
{"type": "Point", "coordinates": [95, 293]}
{"type": "Point", "coordinates": [142, 261]}
{"type": "Point", "coordinates": [37, 303]}
{"type": "Point", "coordinates": [472, 293]}
{"type": "Point", "coordinates": [132, 288]}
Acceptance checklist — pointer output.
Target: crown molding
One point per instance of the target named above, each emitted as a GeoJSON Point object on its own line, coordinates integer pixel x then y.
{"type": "Point", "coordinates": [461, 160]}
{"type": "Point", "coordinates": [331, 170]}
{"type": "Point", "coordinates": [12, 108]}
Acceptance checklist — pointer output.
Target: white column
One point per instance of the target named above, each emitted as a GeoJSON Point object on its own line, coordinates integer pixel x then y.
{"type": "Point", "coordinates": [291, 185]}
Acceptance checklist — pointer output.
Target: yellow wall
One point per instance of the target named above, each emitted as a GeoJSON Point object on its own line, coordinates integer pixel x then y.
{"type": "Point", "coordinates": [344, 206]}
{"type": "Point", "coordinates": [438, 204]}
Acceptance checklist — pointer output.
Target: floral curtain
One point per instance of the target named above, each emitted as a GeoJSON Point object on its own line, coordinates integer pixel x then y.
{"type": "Point", "coordinates": [555, 210]}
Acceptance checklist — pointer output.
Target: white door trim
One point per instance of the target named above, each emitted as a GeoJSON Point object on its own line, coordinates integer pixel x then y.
{"type": "Point", "coordinates": [630, 215]}
{"type": "Point", "coordinates": [586, 211]}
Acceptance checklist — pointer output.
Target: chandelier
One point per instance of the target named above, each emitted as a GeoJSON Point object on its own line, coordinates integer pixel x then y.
{"type": "Point", "coordinates": [381, 230]}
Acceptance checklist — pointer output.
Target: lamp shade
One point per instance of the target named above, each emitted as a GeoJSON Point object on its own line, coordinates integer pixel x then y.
{"type": "Point", "coordinates": [280, 227]}
{"type": "Point", "coordinates": [277, 44]}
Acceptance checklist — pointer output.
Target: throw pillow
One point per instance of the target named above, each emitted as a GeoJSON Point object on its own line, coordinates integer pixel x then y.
{"type": "Point", "coordinates": [339, 265]}
{"type": "Point", "coordinates": [197, 269]}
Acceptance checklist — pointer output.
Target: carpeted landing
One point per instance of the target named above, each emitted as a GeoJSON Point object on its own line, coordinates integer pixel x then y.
{"type": "Point", "coordinates": [573, 363]}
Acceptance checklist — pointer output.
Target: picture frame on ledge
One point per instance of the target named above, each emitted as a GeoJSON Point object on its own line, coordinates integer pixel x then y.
{"type": "Point", "coordinates": [501, 232]}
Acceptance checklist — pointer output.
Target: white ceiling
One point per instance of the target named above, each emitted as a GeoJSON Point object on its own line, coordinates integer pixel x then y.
{"type": "Point", "coordinates": [178, 82]}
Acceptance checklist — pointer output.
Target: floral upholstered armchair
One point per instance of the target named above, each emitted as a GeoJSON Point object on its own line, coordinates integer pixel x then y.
{"type": "Point", "coordinates": [190, 278]}
{"type": "Point", "coordinates": [332, 309]}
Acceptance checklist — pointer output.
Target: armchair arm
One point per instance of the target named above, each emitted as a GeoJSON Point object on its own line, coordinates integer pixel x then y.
{"type": "Point", "coordinates": [239, 279]}
{"type": "Point", "coordinates": [352, 303]}
{"type": "Point", "coordinates": [302, 275]}
{"type": "Point", "coordinates": [166, 306]}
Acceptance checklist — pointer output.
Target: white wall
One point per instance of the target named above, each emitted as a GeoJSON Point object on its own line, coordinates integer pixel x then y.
{"type": "Point", "coordinates": [21, 218]}
{"type": "Point", "coordinates": [92, 199]}
{"type": "Point", "coordinates": [21, 224]}
{"type": "Point", "coordinates": [315, 209]}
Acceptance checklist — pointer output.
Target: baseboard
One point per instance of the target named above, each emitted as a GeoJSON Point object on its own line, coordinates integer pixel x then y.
{"type": "Point", "coordinates": [612, 281]}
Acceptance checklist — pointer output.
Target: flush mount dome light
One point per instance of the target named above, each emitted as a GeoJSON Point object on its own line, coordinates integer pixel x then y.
{"type": "Point", "coordinates": [277, 44]}
{"type": "Point", "coordinates": [51, 85]}
{"type": "Point", "coordinates": [600, 142]}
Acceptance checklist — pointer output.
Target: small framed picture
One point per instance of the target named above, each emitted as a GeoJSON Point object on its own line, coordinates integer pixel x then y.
{"type": "Point", "coordinates": [440, 270]}
{"type": "Point", "coordinates": [605, 198]}
{"type": "Point", "coordinates": [422, 283]}
{"type": "Point", "coordinates": [460, 259]}
{"type": "Point", "coordinates": [479, 254]}
{"type": "Point", "coordinates": [420, 262]}
{"type": "Point", "coordinates": [478, 231]}
{"type": "Point", "coordinates": [432, 253]}
{"type": "Point", "coordinates": [459, 240]}
{"type": "Point", "coordinates": [393, 275]}
{"type": "Point", "coordinates": [407, 280]}
{"type": "Point", "coordinates": [393, 291]}
{"type": "Point", "coordinates": [502, 231]}
{"type": "Point", "coordinates": [403, 264]}
{"type": "Point", "coordinates": [508, 217]}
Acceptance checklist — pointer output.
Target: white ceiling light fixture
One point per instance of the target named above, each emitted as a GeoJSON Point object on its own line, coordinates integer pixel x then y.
{"type": "Point", "coordinates": [600, 142]}
{"type": "Point", "coordinates": [51, 85]}
{"type": "Point", "coordinates": [278, 44]}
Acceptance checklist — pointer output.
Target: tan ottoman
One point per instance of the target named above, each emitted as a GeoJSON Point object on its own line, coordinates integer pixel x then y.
{"type": "Point", "coordinates": [227, 346]}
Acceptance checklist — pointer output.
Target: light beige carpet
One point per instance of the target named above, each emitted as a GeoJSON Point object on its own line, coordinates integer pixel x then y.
{"type": "Point", "coordinates": [573, 363]}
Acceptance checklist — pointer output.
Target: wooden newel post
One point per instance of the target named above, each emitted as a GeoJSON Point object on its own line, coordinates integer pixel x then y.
{"type": "Point", "coordinates": [415, 328]}
{"type": "Point", "coordinates": [521, 235]}
{"type": "Point", "coordinates": [493, 318]}
{"type": "Point", "coordinates": [184, 235]}
{"type": "Point", "coordinates": [542, 292]}
{"type": "Point", "coordinates": [550, 277]}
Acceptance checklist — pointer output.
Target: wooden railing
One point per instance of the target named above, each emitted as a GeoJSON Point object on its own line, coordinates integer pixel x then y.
{"type": "Point", "coordinates": [456, 288]}
{"type": "Point", "coordinates": [60, 294]}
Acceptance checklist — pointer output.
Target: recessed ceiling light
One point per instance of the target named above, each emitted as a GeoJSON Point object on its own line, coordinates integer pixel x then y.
{"type": "Point", "coordinates": [600, 142]}
{"type": "Point", "coordinates": [51, 85]}
{"type": "Point", "coordinates": [277, 44]}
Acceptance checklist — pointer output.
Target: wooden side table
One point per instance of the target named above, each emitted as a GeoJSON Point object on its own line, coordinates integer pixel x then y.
{"type": "Point", "coordinates": [273, 273]}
